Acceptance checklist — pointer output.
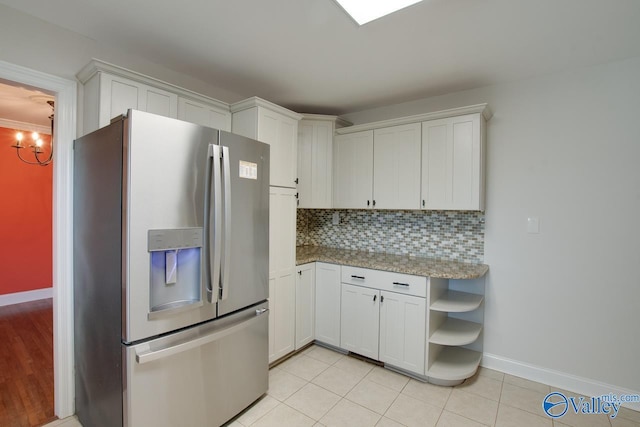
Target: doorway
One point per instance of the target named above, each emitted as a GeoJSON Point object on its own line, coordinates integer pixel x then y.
{"type": "Point", "coordinates": [65, 92]}
{"type": "Point", "coordinates": [26, 310]}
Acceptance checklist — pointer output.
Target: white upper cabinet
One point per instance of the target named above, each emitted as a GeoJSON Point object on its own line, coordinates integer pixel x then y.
{"type": "Point", "coordinates": [353, 170]}
{"type": "Point", "coordinates": [259, 119]}
{"type": "Point", "coordinates": [431, 161]}
{"type": "Point", "coordinates": [453, 163]}
{"type": "Point", "coordinates": [204, 113]}
{"type": "Point", "coordinates": [107, 96]}
{"type": "Point", "coordinates": [396, 167]}
{"type": "Point", "coordinates": [109, 91]}
{"type": "Point", "coordinates": [315, 160]}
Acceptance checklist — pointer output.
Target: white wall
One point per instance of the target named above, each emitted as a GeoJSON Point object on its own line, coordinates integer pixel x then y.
{"type": "Point", "coordinates": [564, 148]}
{"type": "Point", "coordinates": [30, 42]}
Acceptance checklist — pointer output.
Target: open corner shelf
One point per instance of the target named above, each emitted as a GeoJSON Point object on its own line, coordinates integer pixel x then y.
{"type": "Point", "coordinates": [454, 364]}
{"type": "Point", "coordinates": [456, 332]}
{"type": "Point", "coordinates": [457, 302]}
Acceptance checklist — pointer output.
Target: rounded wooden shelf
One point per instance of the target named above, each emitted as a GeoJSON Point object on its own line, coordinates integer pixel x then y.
{"type": "Point", "coordinates": [454, 364]}
{"type": "Point", "coordinates": [457, 302]}
{"type": "Point", "coordinates": [456, 332]}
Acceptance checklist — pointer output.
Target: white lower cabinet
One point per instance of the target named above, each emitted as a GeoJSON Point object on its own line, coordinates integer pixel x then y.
{"type": "Point", "coordinates": [360, 317]}
{"type": "Point", "coordinates": [385, 318]}
{"type": "Point", "coordinates": [282, 272]}
{"type": "Point", "coordinates": [327, 310]}
{"type": "Point", "coordinates": [402, 331]}
{"type": "Point", "coordinates": [305, 304]}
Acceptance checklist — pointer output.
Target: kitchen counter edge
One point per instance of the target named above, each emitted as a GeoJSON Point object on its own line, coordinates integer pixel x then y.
{"type": "Point", "coordinates": [417, 266]}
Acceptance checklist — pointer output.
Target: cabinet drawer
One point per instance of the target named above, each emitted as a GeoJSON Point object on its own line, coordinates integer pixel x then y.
{"type": "Point", "coordinates": [359, 276]}
{"type": "Point", "coordinates": [386, 281]}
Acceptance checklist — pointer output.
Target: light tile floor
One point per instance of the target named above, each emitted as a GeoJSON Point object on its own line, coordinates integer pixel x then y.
{"type": "Point", "coordinates": [320, 387]}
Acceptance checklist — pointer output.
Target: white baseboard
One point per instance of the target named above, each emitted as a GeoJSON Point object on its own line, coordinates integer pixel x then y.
{"type": "Point", "coordinates": [20, 297]}
{"type": "Point", "coordinates": [556, 379]}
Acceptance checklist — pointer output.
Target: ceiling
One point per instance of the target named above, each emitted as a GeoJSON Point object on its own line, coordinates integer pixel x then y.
{"type": "Point", "coordinates": [308, 55]}
{"type": "Point", "coordinates": [24, 104]}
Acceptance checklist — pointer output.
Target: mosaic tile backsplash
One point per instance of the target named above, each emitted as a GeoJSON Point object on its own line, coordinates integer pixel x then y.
{"type": "Point", "coordinates": [447, 235]}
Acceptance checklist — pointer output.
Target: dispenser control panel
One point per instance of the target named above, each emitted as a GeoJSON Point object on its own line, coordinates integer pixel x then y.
{"type": "Point", "coordinates": [178, 238]}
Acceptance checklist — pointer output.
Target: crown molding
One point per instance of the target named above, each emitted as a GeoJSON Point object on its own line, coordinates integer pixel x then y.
{"type": "Point", "coordinates": [471, 109]}
{"type": "Point", "coordinates": [31, 127]}
{"type": "Point", "coordinates": [259, 102]}
{"type": "Point", "coordinates": [339, 121]}
{"type": "Point", "coordinates": [96, 66]}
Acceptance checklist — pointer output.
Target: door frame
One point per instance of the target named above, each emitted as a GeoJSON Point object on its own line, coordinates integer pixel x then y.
{"type": "Point", "coordinates": [62, 226]}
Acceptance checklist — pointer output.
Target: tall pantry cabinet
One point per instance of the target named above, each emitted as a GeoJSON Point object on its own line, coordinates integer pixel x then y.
{"type": "Point", "coordinates": [278, 127]}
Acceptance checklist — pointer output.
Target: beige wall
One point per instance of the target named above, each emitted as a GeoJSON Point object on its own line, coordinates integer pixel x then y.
{"type": "Point", "coordinates": [564, 148]}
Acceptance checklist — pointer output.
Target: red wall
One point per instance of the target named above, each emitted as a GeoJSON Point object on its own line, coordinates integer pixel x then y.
{"type": "Point", "coordinates": [25, 218]}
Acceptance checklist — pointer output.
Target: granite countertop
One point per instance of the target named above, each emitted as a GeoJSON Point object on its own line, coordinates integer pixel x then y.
{"type": "Point", "coordinates": [417, 266]}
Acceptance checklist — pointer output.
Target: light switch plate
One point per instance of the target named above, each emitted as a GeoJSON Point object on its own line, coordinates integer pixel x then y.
{"type": "Point", "coordinates": [336, 218]}
{"type": "Point", "coordinates": [533, 225]}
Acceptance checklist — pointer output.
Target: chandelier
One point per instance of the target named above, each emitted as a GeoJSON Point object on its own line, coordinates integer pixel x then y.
{"type": "Point", "coordinates": [36, 146]}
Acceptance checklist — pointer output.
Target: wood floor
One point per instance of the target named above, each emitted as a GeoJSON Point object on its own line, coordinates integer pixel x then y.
{"type": "Point", "coordinates": [26, 364]}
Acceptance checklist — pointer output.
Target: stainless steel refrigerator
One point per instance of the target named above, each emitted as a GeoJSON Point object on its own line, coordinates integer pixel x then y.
{"type": "Point", "coordinates": [171, 238]}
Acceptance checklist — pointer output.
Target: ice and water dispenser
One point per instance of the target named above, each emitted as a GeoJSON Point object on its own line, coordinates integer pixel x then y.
{"type": "Point", "coordinates": [175, 277]}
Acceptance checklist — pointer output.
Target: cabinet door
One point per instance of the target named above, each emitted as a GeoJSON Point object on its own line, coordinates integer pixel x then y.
{"type": "Point", "coordinates": [353, 170]}
{"type": "Point", "coordinates": [359, 320]}
{"type": "Point", "coordinates": [305, 164]}
{"type": "Point", "coordinates": [321, 166]}
{"type": "Point", "coordinates": [328, 303]}
{"type": "Point", "coordinates": [158, 101]}
{"type": "Point", "coordinates": [281, 133]}
{"type": "Point", "coordinates": [282, 232]}
{"type": "Point", "coordinates": [206, 115]}
{"type": "Point", "coordinates": [402, 331]}
{"type": "Point", "coordinates": [305, 304]}
{"type": "Point", "coordinates": [315, 157]}
{"type": "Point", "coordinates": [118, 94]}
{"type": "Point", "coordinates": [396, 167]}
{"type": "Point", "coordinates": [452, 163]}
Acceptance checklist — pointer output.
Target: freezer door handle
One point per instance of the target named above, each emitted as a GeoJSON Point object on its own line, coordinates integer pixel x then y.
{"type": "Point", "coordinates": [145, 355]}
{"type": "Point", "coordinates": [226, 254]}
{"type": "Point", "coordinates": [215, 226]}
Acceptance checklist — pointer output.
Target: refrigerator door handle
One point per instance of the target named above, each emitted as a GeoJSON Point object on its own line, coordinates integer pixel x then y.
{"type": "Point", "coordinates": [146, 355]}
{"type": "Point", "coordinates": [215, 226]}
{"type": "Point", "coordinates": [226, 254]}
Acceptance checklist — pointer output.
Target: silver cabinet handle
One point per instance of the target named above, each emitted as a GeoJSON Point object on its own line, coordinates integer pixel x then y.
{"type": "Point", "coordinates": [401, 284]}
